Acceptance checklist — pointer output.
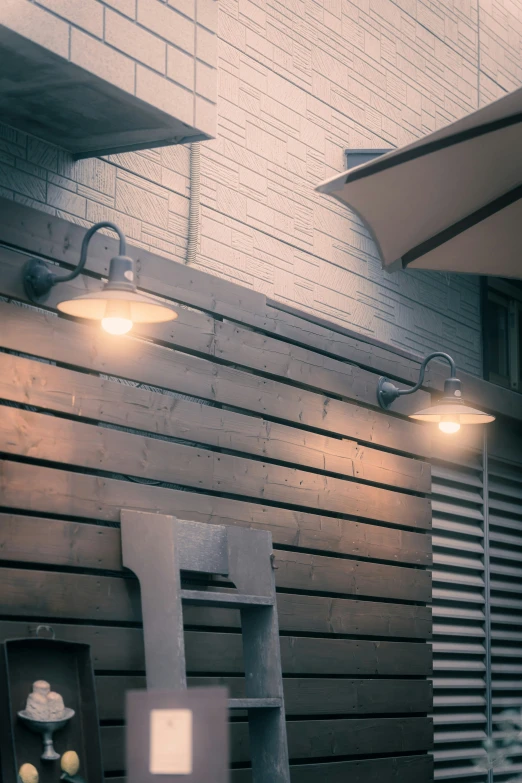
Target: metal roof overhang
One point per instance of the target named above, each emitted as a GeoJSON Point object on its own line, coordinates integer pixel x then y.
{"type": "Point", "coordinates": [55, 100]}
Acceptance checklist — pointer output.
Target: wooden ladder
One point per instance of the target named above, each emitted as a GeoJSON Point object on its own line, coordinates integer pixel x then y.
{"type": "Point", "coordinates": [157, 548]}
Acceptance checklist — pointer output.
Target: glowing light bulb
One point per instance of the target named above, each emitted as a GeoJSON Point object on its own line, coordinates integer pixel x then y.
{"type": "Point", "coordinates": [117, 319]}
{"type": "Point", "coordinates": [117, 325]}
{"type": "Point", "coordinates": [449, 427]}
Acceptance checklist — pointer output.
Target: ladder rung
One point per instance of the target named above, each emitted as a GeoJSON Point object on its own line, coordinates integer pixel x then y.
{"type": "Point", "coordinates": [255, 704]}
{"type": "Point", "coordinates": [225, 600]}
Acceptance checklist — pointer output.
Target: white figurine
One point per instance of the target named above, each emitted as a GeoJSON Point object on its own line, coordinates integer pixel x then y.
{"type": "Point", "coordinates": [36, 706]}
{"type": "Point", "coordinates": [55, 706]}
{"type": "Point", "coordinates": [44, 704]}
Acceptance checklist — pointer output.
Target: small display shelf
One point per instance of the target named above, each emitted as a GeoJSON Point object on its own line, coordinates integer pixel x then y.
{"type": "Point", "coordinates": [67, 667]}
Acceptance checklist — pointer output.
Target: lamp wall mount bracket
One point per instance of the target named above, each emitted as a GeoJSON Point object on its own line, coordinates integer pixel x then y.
{"type": "Point", "coordinates": [387, 392]}
{"type": "Point", "coordinates": [38, 278]}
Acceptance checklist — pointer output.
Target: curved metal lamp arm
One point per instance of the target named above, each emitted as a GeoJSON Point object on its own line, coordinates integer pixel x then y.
{"type": "Point", "coordinates": [422, 371]}
{"type": "Point", "coordinates": [39, 277]}
{"type": "Point", "coordinates": [85, 245]}
{"type": "Point", "coordinates": [387, 392]}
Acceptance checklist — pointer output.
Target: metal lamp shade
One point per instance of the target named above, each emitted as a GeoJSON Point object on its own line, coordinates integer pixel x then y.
{"type": "Point", "coordinates": [452, 409]}
{"type": "Point", "coordinates": [141, 308]}
{"type": "Point", "coordinates": [119, 299]}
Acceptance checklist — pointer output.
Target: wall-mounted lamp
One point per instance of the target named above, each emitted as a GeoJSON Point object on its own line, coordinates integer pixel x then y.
{"type": "Point", "coordinates": [118, 305]}
{"type": "Point", "coordinates": [449, 412]}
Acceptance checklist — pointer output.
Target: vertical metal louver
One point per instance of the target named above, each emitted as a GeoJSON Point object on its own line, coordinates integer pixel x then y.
{"type": "Point", "coordinates": [505, 551]}
{"type": "Point", "coordinates": [459, 635]}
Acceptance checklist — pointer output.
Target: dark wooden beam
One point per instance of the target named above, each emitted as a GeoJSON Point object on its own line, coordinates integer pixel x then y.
{"type": "Point", "coordinates": [68, 596]}
{"type": "Point", "coordinates": [121, 649]}
{"type": "Point", "coordinates": [307, 696]}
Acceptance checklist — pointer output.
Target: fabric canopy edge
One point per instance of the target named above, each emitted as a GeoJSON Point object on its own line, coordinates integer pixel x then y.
{"type": "Point", "coordinates": [333, 187]}
{"type": "Point", "coordinates": [504, 112]}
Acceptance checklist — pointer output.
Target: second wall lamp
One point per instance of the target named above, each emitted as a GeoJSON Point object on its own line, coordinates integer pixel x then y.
{"type": "Point", "coordinates": [449, 412]}
{"type": "Point", "coordinates": [118, 305]}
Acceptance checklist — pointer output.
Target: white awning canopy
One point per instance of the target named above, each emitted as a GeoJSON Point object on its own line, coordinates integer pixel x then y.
{"type": "Point", "coordinates": [451, 201]}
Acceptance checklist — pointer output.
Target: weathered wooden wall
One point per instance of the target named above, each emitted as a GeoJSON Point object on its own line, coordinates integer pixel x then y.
{"type": "Point", "coordinates": [236, 413]}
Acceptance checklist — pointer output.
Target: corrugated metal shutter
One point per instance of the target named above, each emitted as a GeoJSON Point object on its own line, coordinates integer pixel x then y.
{"type": "Point", "coordinates": [459, 641]}
{"type": "Point", "coordinates": [505, 550]}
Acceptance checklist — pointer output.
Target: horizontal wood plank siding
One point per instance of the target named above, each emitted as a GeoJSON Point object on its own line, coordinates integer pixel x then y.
{"type": "Point", "coordinates": [25, 487]}
{"type": "Point", "coordinates": [406, 769]}
{"type": "Point", "coordinates": [121, 649]}
{"type": "Point", "coordinates": [92, 398]}
{"type": "Point", "coordinates": [308, 738]}
{"type": "Point", "coordinates": [57, 595]}
{"type": "Point", "coordinates": [49, 439]}
{"type": "Point", "coordinates": [294, 570]}
{"type": "Point", "coordinates": [241, 414]}
{"type": "Point", "coordinates": [336, 696]}
{"type": "Point", "coordinates": [84, 347]}
{"type": "Point", "coordinates": [34, 232]}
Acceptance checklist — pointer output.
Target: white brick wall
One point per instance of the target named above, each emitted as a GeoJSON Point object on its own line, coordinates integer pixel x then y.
{"type": "Point", "coordinates": [134, 41]}
{"type": "Point", "coordinates": [299, 80]}
{"type": "Point", "coordinates": [88, 14]}
{"type": "Point", "coordinates": [35, 23]}
{"type": "Point", "coordinates": [105, 62]}
{"type": "Point", "coordinates": [125, 43]}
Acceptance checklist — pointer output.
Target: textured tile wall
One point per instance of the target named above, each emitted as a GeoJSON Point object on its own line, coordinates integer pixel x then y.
{"type": "Point", "coordinates": [299, 80]}
{"type": "Point", "coordinates": [140, 46]}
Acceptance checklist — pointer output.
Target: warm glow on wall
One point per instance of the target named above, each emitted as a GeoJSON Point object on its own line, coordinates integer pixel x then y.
{"type": "Point", "coordinates": [118, 305]}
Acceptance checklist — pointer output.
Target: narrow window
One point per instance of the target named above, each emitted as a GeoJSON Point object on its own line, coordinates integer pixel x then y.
{"type": "Point", "coordinates": [502, 330]}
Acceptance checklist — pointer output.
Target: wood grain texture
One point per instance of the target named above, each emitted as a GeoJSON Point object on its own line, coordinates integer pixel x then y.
{"type": "Point", "coordinates": [38, 436]}
{"type": "Point", "coordinates": [322, 334]}
{"type": "Point", "coordinates": [41, 541]}
{"type": "Point", "coordinates": [306, 738]}
{"type": "Point", "coordinates": [303, 571]}
{"type": "Point", "coordinates": [291, 421]}
{"type": "Point", "coordinates": [321, 615]}
{"type": "Point", "coordinates": [312, 739]}
{"type": "Point", "coordinates": [50, 491]}
{"type": "Point", "coordinates": [212, 295]}
{"type": "Point", "coordinates": [36, 232]}
{"type": "Point", "coordinates": [358, 737]}
{"type": "Point", "coordinates": [121, 649]}
{"type": "Point", "coordinates": [198, 332]}
{"type": "Point", "coordinates": [317, 739]}
{"type": "Point", "coordinates": [302, 696]}
{"type": "Point", "coordinates": [60, 240]}
{"type": "Point", "coordinates": [406, 769]}
{"type": "Point", "coordinates": [66, 596]}
{"type": "Point", "coordinates": [292, 571]}
{"type": "Point", "coordinates": [56, 238]}
{"type": "Point", "coordinates": [94, 398]}
{"type": "Point", "coordinates": [412, 769]}
{"type": "Point", "coordinates": [81, 345]}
